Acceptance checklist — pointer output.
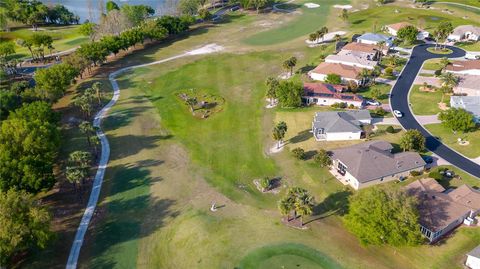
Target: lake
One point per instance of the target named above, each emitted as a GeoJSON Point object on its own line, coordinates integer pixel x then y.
{"type": "Point", "coordinates": [90, 9]}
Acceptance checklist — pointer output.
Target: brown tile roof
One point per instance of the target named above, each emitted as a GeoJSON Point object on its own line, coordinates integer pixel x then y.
{"type": "Point", "coordinates": [329, 91]}
{"type": "Point", "coordinates": [463, 65]}
{"type": "Point", "coordinates": [373, 160]}
{"type": "Point", "coordinates": [342, 70]}
{"type": "Point", "coordinates": [438, 208]}
{"type": "Point", "coordinates": [400, 25]}
{"type": "Point", "coordinates": [361, 47]}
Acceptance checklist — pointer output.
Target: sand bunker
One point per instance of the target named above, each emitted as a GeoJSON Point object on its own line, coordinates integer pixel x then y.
{"type": "Point", "coordinates": [311, 5]}
{"type": "Point", "coordinates": [343, 6]}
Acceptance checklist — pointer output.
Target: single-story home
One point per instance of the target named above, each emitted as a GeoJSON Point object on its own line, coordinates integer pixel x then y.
{"type": "Point", "coordinates": [473, 258]}
{"type": "Point", "coordinates": [326, 95]}
{"type": "Point", "coordinates": [346, 72]}
{"type": "Point", "coordinates": [353, 58]}
{"type": "Point", "coordinates": [467, 84]}
{"type": "Point", "coordinates": [469, 67]}
{"type": "Point", "coordinates": [340, 125]}
{"type": "Point", "coordinates": [442, 210]}
{"type": "Point", "coordinates": [365, 48]}
{"type": "Point", "coordinates": [465, 32]}
{"type": "Point", "coordinates": [469, 103]}
{"type": "Point", "coordinates": [375, 39]}
{"type": "Point", "coordinates": [394, 28]}
{"type": "Point", "coordinates": [373, 162]}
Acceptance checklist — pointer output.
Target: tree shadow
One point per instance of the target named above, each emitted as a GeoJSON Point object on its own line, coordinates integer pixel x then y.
{"type": "Point", "coordinates": [334, 204]}
{"type": "Point", "coordinates": [133, 144]}
{"type": "Point", "coordinates": [301, 136]}
{"type": "Point", "coordinates": [310, 154]}
{"type": "Point", "coordinates": [306, 68]}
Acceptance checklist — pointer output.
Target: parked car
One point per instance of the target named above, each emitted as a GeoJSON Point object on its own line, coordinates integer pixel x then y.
{"type": "Point", "coordinates": [397, 113]}
{"type": "Point", "coordinates": [235, 8]}
{"type": "Point", "coordinates": [373, 103]}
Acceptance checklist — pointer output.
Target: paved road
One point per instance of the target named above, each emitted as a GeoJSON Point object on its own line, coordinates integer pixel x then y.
{"type": "Point", "coordinates": [399, 101]}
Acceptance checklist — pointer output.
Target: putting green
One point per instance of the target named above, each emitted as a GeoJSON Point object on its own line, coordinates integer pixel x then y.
{"type": "Point", "coordinates": [287, 255]}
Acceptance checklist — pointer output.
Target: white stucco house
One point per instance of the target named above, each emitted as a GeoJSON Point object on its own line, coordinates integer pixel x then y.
{"type": "Point", "coordinates": [340, 125]}
{"type": "Point", "coordinates": [353, 58]}
{"type": "Point", "coordinates": [375, 39]}
{"type": "Point", "coordinates": [346, 72]}
{"type": "Point", "coordinates": [324, 94]}
{"type": "Point", "coordinates": [468, 67]}
{"type": "Point", "coordinates": [372, 163]}
{"type": "Point", "coordinates": [469, 103]}
{"type": "Point", "coordinates": [465, 32]}
{"type": "Point", "coordinates": [394, 28]}
{"type": "Point", "coordinates": [473, 258]}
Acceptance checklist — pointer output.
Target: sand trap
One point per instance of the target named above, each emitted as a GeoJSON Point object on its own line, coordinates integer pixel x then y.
{"type": "Point", "coordinates": [210, 48]}
{"type": "Point", "coordinates": [343, 6]}
{"type": "Point", "coordinates": [311, 5]}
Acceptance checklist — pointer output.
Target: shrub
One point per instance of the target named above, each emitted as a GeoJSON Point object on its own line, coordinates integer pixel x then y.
{"type": "Point", "coordinates": [389, 71]}
{"type": "Point", "coordinates": [299, 153]}
{"type": "Point", "coordinates": [339, 105]}
{"type": "Point", "coordinates": [351, 106]}
{"type": "Point", "coordinates": [265, 183]}
{"type": "Point", "coordinates": [390, 129]}
{"type": "Point", "coordinates": [438, 72]}
{"type": "Point", "coordinates": [380, 111]}
{"type": "Point", "coordinates": [415, 173]}
{"type": "Point", "coordinates": [333, 79]}
{"type": "Point", "coordinates": [322, 158]}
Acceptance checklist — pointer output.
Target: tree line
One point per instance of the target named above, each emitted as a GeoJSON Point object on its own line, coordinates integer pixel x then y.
{"type": "Point", "coordinates": [30, 136]}
{"type": "Point", "coordinates": [34, 13]}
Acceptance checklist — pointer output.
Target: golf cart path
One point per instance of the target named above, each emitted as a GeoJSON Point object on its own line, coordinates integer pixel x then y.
{"type": "Point", "coordinates": [105, 154]}
{"type": "Point", "coordinates": [399, 100]}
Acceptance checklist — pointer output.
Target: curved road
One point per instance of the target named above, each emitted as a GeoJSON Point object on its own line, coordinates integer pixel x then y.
{"type": "Point", "coordinates": [399, 101]}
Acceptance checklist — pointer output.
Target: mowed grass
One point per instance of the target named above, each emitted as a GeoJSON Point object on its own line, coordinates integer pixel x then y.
{"type": "Point", "coordinates": [384, 92]}
{"type": "Point", "coordinates": [432, 64]}
{"type": "Point", "coordinates": [64, 38]}
{"type": "Point", "coordinates": [287, 256]}
{"type": "Point", "coordinates": [450, 139]}
{"type": "Point", "coordinates": [374, 18]}
{"type": "Point", "coordinates": [426, 103]}
{"type": "Point", "coordinates": [308, 21]}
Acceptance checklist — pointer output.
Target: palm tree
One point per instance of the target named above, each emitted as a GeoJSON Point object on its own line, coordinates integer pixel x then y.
{"type": "Point", "coordinates": [364, 75]}
{"type": "Point", "coordinates": [322, 32]}
{"type": "Point", "coordinates": [87, 129]}
{"type": "Point", "coordinates": [381, 46]}
{"type": "Point", "coordinates": [75, 175]}
{"type": "Point", "coordinates": [449, 81]}
{"type": "Point", "coordinates": [191, 102]}
{"type": "Point", "coordinates": [393, 61]}
{"type": "Point", "coordinates": [313, 37]}
{"type": "Point", "coordinates": [98, 92]}
{"type": "Point", "coordinates": [344, 14]}
{"type": "Point", "coordinates": [444, 62]}
{"type": "Point", "coordinates": [279, 132]}
{"type": "Point", "coordinates": [272, 86]}
{"type": "Point", "coordinates": [289, 64]}
{"type": "Point", "coordinates": [304, 205]}
{"type": "Point", "coordinates": [285, 205]}
{"type": "Point", "coordinates": [337, 38]}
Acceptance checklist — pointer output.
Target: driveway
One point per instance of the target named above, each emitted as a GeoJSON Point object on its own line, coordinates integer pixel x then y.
{"type": "Point", "coordinates": [399, 101]}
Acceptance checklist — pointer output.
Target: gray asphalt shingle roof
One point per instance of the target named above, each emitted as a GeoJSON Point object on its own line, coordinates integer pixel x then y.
{"type": "Point", "coordinates": [340, 121]}
{"type": "Point", "coordinates": [469, 103]}
{"type": "Point", "coordinates": [373, 160]}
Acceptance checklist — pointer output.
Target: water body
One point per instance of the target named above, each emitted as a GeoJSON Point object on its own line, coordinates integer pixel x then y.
{"type": "Point", "coordinates": [90, 9]}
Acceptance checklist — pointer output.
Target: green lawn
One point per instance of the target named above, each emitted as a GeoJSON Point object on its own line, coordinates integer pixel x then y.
{"type": "Point", "coordinates": [426, 103]}
{"type": "Point", "coordinates": [287, 256]}
{"type": "Point", "coordinates": [432, 64]}
{"type": "Point", "coordinates": [366, 19]}
{"type": "Point", "coordinates": [450, 139]}
{"type": "Point", "coordinates": [310, 20]}
{"type": "Point", "coordinates": [384, 90]}
{"type": "Point", "coordinates": [469, 46]}
{"type": "Point", "coordinates": [65, 37]}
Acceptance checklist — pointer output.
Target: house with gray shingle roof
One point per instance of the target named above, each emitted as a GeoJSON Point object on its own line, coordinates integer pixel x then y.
{"type": "Point", "coordinates": [340, 125]}
{"type": "Point", "coordinates": [469, 103]}
{"type": "Point", "coordinates": [473, 258]}
{"type": "Point", "coordinates": [375, 39]}
{"type": "Point", "coordinates": [373, 162]}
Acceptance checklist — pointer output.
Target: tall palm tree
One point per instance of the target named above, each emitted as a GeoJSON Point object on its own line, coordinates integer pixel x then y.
{"type": "Point", "coordinates": [285, 205]}
{"type": "Point", "coordinates": [304, 205]}
{"type": "Point", "coordinates": [449, 81]}
{"type": "Point", "coordinates": [381, 47]}
{"type": "Point", "coordinates": [87, 129]}
{"type": "Point", "coordinates": [344, 14]}
{"type": "Point", "coordinates": [444, 62]}
{"type": "Point", "coordinates": [279, 132]}
{"type": "Point", "coordinates": [337, 38]}
{"type": "Point", "coordinates": [98, 92]}
{"type": "Point", "coordinates": [364, 75]}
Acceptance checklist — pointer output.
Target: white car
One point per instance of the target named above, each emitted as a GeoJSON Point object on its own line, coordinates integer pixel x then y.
{"type": "Point", "coordinates": [373, 103]}
{"type": "Point", "coordinates": [397, 113]}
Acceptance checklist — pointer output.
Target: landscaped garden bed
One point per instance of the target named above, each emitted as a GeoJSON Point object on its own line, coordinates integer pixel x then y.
{"type": "Point", "coordinates": [201, 104]}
